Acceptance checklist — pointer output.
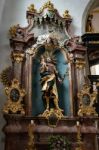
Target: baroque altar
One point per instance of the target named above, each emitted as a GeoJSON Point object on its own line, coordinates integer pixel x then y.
{"type": "Point", "coordinates": [47, 86]}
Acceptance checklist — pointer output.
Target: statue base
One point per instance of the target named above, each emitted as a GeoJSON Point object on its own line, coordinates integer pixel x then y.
{"type": "Point", "coordinates": [53, 116]}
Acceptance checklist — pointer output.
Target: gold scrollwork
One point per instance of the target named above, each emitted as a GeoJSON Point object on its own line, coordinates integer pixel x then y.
{"type": "Point", "coordinates": [52, 116]}
{"type": "Point", "coordinates": [87, 100]}
{"type": "Point", "coordinates": [47, 5]}
{"type": "Point", "coordinates": [66, 15]}
{"type": "Point", "coordinates": [48, 113]}
{"type": "Point", "coordinates": [31, 8]}
{"type": "Point", "coordinates": [32, 51]}
{"type": "Point", "coordinates": [80, 64]}
{"type": "Point", "coordinates": [17, 56]}
{"type": "Point", "coordinates": [13, 30]}
{"type": "Point", "coordinates": [6, 75]}
{"type": "Point", "coordinates": [15, 96]}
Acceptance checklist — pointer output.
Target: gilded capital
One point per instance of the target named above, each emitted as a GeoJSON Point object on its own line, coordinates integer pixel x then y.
{"type": "Point", "coordinates": [31, 51]}
{"type": "Point", "coordinates": [80, 64]}
{"type": "Point", "coordinates": [17, 57]}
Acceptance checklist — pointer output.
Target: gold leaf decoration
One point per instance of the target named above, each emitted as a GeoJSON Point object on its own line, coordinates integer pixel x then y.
{"type": "Point", "coordinates": [13, 31]}
{"type": "Point", "coordinates": [66, 15]}
{"type": "Point", "coordinates": [31, 8]}
{"type": "Point", "coordinates": [6, 76]}
{"type": "Point", "coordinates": [86, 100]}
{"type": "Point", "coordinates": [18, 57]}
{"type": "Point", "coordinates": [15, 96]}
{"type": "Point", "coordinates": [47, 5]}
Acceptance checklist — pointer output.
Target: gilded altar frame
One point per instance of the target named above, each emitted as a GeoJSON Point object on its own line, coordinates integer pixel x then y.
{"type": "Point", "coordinates": [21, 40]}
{"type": "Point", "coordinates": [67, 19]}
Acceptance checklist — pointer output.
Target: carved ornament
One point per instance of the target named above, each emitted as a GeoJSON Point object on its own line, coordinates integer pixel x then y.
{"type": "Point", "coordinates": [32, 51]}
{"type": "Point", "coordinates": [15, 96]}
{"type": "Point", "coordinates": [17, 57]}
{"type": "Point", "coordinates": [6, 76]}
{"type": "Point", "coordinates": [31, 8]}
{"type": "Point", "coordinates": [48, 113]}
{"type": "Point", "coordinates": [53, 116]}
{"type": "Point", "coordinates": [80, 64]}
{"type": "Point", "coordinates": [17, 32]}
{"type": "Point", "coordinates": [47, 5]}
{"type": "Point", "coordinates": [13, 31]}
{"type": "Point", "coordinates": [66, 15]}
{"type": "Point", "coordinates": [87, 100]}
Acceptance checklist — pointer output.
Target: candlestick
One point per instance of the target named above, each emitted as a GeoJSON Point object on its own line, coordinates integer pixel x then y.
{"type": "Point", "coordinates": [31, 135]}
{"type": "Point", "coordinates": [79, 142]}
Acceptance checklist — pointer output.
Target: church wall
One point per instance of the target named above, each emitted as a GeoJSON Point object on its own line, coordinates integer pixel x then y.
{"type": "Point", "coordinates": [13, 12]}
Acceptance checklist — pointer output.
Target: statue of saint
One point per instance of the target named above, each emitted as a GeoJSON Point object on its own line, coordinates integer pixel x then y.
{"type": "Point", "coordinates": [89, 26]}
{"type": "Point", "coordinates": [49, 77]}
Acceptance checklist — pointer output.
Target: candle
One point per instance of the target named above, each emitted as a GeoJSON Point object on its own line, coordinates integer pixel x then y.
{"type": "Point", "coordinates": [94, 86]}
{"type": "Point", "coordinates": [32, 122]}
{"type": "Point", "coordinates": [77, 123]}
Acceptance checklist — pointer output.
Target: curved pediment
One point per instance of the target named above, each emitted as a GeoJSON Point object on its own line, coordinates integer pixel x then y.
{"type": "Point", "coordinates": [50, 9]}
{"type": "Point", "coordinates": [48, 19]}
{"type": "Point", "coordinates": [42, 21]}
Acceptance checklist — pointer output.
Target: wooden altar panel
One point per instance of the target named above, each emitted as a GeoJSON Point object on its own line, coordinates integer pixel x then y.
{"type": "Point", "coordinates": [17, 132]}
